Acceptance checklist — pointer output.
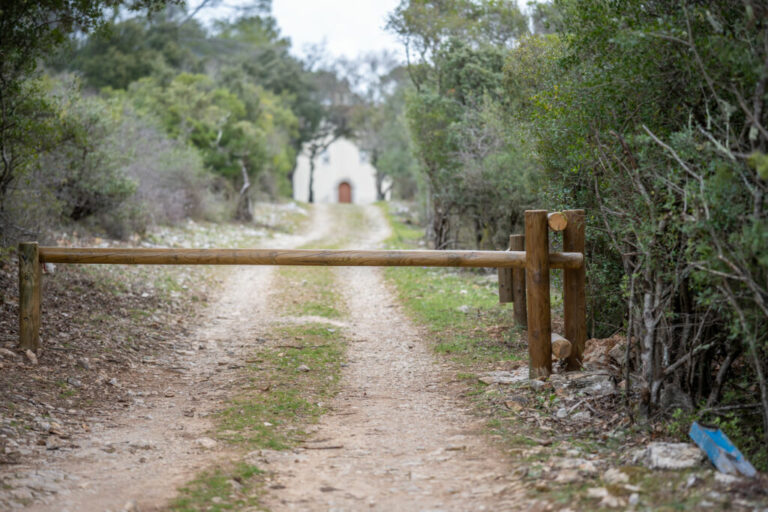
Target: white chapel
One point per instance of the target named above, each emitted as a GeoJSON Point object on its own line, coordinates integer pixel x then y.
{"type": "Point", "coordinates": [343, 174]}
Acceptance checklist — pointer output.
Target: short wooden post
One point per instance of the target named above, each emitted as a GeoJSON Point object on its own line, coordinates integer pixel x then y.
{"type": "Point", "coordinates": [537, 284]}
{"type": "Point", "coordinates": [517, 243]}
{"type": "Point", "coordinates": [29, 296]}
{"type": "Point", "coordinates": [505, 281]}
{"type": "Point", "coordinates": [574, 282]}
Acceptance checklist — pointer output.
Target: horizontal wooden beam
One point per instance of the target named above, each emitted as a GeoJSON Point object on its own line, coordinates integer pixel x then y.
{"type": "Point", "coordinates": [310, 257]}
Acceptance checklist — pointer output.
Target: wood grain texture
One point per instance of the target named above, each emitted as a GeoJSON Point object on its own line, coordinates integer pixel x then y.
{"type": "Point", "coordinates": [505, 286]}
{"type": "Point", "coordinates": [537, 284]}
{"type": "Point", "coordinates": [557, 221]}
{"type": "Point", "coordinates": [505, 281]}
{"type": "Point", "coordinates": [517, 243]}
{"type": "Point", "coordinates": [561, 347]}
{"type": "Point", "coordinates": [310, 257]}
{"type": "Point", "coordinates": [574, 295]}
{"type": "Point", "coordinates": [29, 296]}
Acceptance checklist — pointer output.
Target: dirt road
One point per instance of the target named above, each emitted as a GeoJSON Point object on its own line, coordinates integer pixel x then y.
{"type": "Point", "coordinates": [406, 443]}
{"type": "Point", "coordinates": [141, 457]}
{"type": "Point", "coordinates": [396, 437]}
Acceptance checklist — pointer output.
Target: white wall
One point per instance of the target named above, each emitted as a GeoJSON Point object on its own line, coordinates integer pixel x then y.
{"type": "Point", "coordinates": [343, 161]}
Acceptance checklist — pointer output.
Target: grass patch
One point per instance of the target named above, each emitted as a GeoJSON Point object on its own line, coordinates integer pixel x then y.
{"type": "Point", "coordinates": [282, 396]}
{"type": "Point", "coordinates": [233, 488]}
{"type": "Point", "coordinates": [455, 305]}
{"type": "Point", "coordinates": [312, 292]}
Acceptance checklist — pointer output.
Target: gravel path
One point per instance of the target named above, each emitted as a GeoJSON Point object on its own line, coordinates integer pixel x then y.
{"type": "Point", "coordinates": [406, 443]}
{"type": "Point", "coordinates": [137, 460]}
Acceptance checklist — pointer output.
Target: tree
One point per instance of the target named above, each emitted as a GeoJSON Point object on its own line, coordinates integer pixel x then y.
{"type": "Point", "coordinates": [233, 136]}
{"type": "Point", "coordinates": [379, 124]}
{"type": "Point", "coordinates": [456, 54]}
{"type": "Point", "coordinates": [120, 53]}
{"type": "Point", "coordinates": [658, 123]}
{"type": "Point", "coordinates": [28, 31]}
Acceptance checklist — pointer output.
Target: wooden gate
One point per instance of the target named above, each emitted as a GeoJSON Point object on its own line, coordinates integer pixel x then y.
{"type": "Point", "coordinates": [534, 263]}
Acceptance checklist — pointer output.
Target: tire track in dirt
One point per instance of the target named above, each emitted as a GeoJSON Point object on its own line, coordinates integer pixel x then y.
{"type": "Point", "coordinates": [407, 443]}
{"type": "Point", "coordinates": [138, 459]}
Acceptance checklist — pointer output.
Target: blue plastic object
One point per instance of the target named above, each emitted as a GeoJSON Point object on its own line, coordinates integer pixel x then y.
{"type": "Point", "coordinates": [720, 450]}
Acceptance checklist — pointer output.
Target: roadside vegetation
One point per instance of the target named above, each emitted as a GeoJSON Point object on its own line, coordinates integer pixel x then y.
{"type": "Point", "coordinates": [561, 458]}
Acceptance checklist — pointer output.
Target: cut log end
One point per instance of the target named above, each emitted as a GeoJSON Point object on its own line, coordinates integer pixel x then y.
{"type": "Point", "coordinates": [561, 347]}
{"type": "Point", "coordinates": [557, 221]}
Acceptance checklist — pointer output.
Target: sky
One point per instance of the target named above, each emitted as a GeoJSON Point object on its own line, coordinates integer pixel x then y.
{"type": "Point", "coordinates": [347, 27]}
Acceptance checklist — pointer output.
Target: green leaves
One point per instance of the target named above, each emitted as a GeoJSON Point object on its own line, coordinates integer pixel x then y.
{"type": "Point", "coordinates": [759, 162]}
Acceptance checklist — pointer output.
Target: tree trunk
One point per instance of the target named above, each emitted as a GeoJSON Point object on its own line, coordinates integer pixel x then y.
{"type": "Point", "coordinates": [244, 212]}
{"type": "Point", "coordinates": [311, 197]}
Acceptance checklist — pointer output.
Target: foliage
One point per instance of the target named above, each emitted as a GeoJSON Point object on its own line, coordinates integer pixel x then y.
{"type": "Point", "coordinates": [657, 122]}
{"type": "Point", "coordinates": [649, 114]}
{"type": "Point", "coordinates": [121, 53]}
{"type": "Point", "coordinates": [29, 31]}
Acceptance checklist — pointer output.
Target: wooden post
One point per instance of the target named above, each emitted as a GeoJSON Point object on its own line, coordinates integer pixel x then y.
{"type": "Point", "coordinates": [574, 282]}
{"type": "Point", "coordinates": [561, 347]}
{"type": "Point", "coordinates": [537, 284]}
{"type": "Point", "coordinates": [29, 296]}
{"type": "Point", "coordinates": [517, 243]}
{"type": "Point", "coordinates": [505, 280]}
{"type": "Point", "coordinates": [557, 221]}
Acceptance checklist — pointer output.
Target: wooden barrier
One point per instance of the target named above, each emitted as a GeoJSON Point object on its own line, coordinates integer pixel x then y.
{"type": "Point", "coordinates": [574, 295]}
{"type": "Point", "coordinates": [307, 257]}
{"type": "Point", "coordinates": [527, 284]}
{"type": "Point", "coordinates": [517, 243]}
{"type": "Point", "coordinates": [29, 296]}
{"type": "Point", "coordinates": [537, 265]}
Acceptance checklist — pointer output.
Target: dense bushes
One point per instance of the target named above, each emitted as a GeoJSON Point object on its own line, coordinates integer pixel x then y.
{"type": "Point", "coordinates": [172, 120]}
{"type": "Point", "coordinates": [104, 165]}
{"type": "Point", "coordinates": [652, 115]}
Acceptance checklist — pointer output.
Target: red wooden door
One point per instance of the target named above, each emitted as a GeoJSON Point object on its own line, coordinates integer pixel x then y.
{"type": "Point", "coordinates": [345, 192]}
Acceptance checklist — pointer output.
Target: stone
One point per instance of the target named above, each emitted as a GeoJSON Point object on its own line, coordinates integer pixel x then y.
{"type": "Point", "coordinates": [634, 499]}
{"type": "Point", "coordinates": [594, 383]}
{"type": "Point", "coordinates": [4, 352]}
{"type": "Point", "coordinates": [726, 479]}
{"type": "Point", "coordinates": [84, 363]}
{"type": "Point", "coordinates": [615, 476]}
{"type": "Point", "coordinates": [75, 383]}
{"type": "Point", "coordinates": [205, 442]}
{"type": "Point", "coordinates": [582, 416]}
{"type": "Point", "coordinates": [561, 413]}
{"type": "Point", "coordinates": [567, 476]}
{"type": "Point", "coordinates": [31, 356]}
{"type": "Point", "coordinates": [303, 368]}
{"type": "Point", "coordinates": [619, 351]}
{"type": "Point", "coordinates": [463, 309]}
{"type": "Point", "coordinates": [504, 377]}
{"type": "Point", "coordinates": [661, 455]}
{"type": "Point", "coordinates": [112, 382]}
